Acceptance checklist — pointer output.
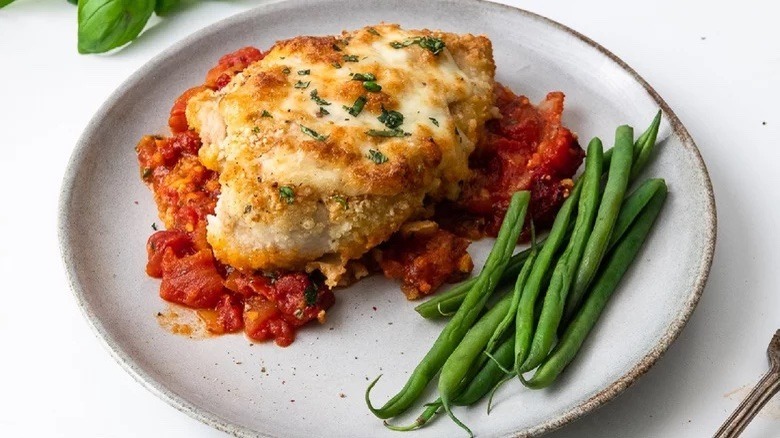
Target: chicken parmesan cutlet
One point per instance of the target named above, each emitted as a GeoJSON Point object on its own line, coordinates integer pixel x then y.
{"type": "Point", "coordinates": [327, 145]}
{"type": "Point", "coordinates": [326, 158]}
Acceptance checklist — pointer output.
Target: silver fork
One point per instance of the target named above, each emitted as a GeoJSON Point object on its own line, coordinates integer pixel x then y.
{"type": "Point", "coordinates": [758, 397]}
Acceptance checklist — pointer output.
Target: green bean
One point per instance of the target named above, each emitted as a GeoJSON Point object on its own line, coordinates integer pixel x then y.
{"type": "Point", "coordinates": [462, 358]}
{"type": "Point", "coordinates": [524, 318]}
{"type": "Point", "coordinates": [448, 301]}
{"type": "Point", "coordinates": [509, 316]}
{"type": "Point", "coordinates": [647, 142]}
{"type": "Point", "coordinates": [489, 375]}
{"type": "Point", "coordinates": [466, 315]}
{"type": "Point", "coordinates": [430, 411]}
{"type": "Point", "coordinates": [619, 172]}
{"type": "Point", "coordinates": [566, 268]}
{"type": "Point", "coordinates": [631, 208]}
{"type": "Point", "coordinates": [602, 289]}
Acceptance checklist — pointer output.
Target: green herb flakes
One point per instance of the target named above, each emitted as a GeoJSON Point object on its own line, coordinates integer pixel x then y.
{"type": "Point", "coordinates": [372, 86]}
{"type": "Point", "coordinates": [286, 70]}
{"type": "Point", "coordinates": [310, 294]}
{"type": "Point", "coordinates": [146, 173]}
{"type": "Point", "coordinates": [287, 194]}
{"type": "Point", "coordinates": [302, 84]}
{"type": "Point", "coordinates": [387, 133]}
{"type": "Point", "coordinates": [316, 98]}
{"type": "Point", "coordinates": [363, 77]}
{"type": "Point", "coordinates": [391, 119]}
{"type": "Point", "coordinates": [434, 121]}
{"type": "Point", "coordinates": [265, 114]}
{"type": "Point", "coordinates": [433, 44]}
{"type": "Point", "coordinates": [357, 107]}
{"type": "Point", "coordinates": [373, 31]}
{"type": "Point", "coordinates": [349, 58]}
{"type": "Point", "coordinates": [304, 72]}
{"type": "Point", "coordinates": [376, 156]}
{"type": "Point", "coordinates": [336, 64]}
{"type": "Point", "coordinates": [313, 134]}
{"type": "Point", "coordinates": [341, 200]}
{"type": "Point", "coordinates": [322, 112]}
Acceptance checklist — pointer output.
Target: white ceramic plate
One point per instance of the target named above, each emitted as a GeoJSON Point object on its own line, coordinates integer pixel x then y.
{"type": "Point", "coordinates": [106, 214]}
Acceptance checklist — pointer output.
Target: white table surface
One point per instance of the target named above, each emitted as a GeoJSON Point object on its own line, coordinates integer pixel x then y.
{"type": "Point", "coordinates": [716, 63]}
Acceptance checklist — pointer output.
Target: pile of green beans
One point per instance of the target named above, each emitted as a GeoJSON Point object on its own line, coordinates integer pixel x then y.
{"type": "Point", "coordinates": [561, 287]}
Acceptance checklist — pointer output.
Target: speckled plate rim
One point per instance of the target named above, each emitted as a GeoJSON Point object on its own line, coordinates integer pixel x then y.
{"type": "Point", "coordinates": [608, 393]}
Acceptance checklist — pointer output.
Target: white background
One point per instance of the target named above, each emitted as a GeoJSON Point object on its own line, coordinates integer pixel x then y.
{"type": "Point", "coordinates": [716, 63]}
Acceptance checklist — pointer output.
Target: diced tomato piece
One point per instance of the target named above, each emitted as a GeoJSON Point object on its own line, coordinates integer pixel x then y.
{"type": "Point", "coordinates": [178, 118]}
{"type": "Point", "coordinates": [179, 242]}
{"type": "Point", "coordinates": [230, 313]}
{"type": "Point", "coordinates": [231, 64]}
{"type": "Point", "coordinates": [191, 280]}
{"type": "Point", "coordinates": [424, 260]}
{"type": "Point", "coordinates": [263, 321]}
{"type": "Point", "coordinates": [183, 143]}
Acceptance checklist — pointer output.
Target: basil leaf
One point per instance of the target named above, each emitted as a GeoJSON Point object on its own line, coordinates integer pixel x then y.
{"type": "Point", "coordinates": [164, 7]}
{"type": "Point", "coordinates": [108, 24]}
{"type": "Point", "coordinates": [73, 2]}
{"type": "Point", "coordinates": [5, 2]}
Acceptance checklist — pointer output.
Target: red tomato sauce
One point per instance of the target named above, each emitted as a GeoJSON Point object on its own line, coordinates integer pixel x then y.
{"type": "Point", "coordinates": [526, 149]}
{"type": "Point", "coordinates": [265, 306]}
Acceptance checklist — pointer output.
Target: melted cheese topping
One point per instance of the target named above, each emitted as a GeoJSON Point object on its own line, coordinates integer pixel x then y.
{"type": "Point", "coordinates": [284, 124]}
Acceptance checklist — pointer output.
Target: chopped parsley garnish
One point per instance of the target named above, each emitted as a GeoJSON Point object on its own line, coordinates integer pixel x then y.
{"type": "Point", "coordinates": [265, 114]}
{"type": "Point", "coordinates": [373, 31]}
{"type": "Point", "coordinates": [147, 172]}
{"type": "Point", "coordinates": [376, 156]}
{"type": "Point", "coordinates": [372, 86]}
{"type": "Point", "coordinates": [336, 64]}
{"type": "Point", "coordinates": [304, 72]}
{"type": "Point", "coordinates": [286, 70]}
{"type": "Point", "coordinates": [256, 130]}
{"type": "Point", "coordinates": [322, 112]}
{"type": "Point", "coordinates": [357, 107]}
{"type": "Point", "coordinates": [310, 294]}
{"type": "Point", "coordinates": [363, 77]}
{"type": "Point", "coordinates": [301, 84]}
{"type": "Point", "coordinates": [336, 48]}
{"type": "Point", "coordinates": [286, 194]}
{"type": "Point", "coordinates": [434, 121]}
{"type": "Point", "coordinates": [349, 58]}
{"type": "Point", "coordinates": [391, 119]}
{"type": "Point", "coordinates": [154, 226]}
{"type": "Point", "coordinates": [387, 133]}
{"type": "Point", "coordinates": [313, 134]}
{"type": "Point", "coordinates": [433, 44]}
{"type": "Point", "coordinates": [341, 200]}
{"type": "Point", "coordinates": [247, 209]}
{"type": "Point", "coordinates": [316, 98]}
